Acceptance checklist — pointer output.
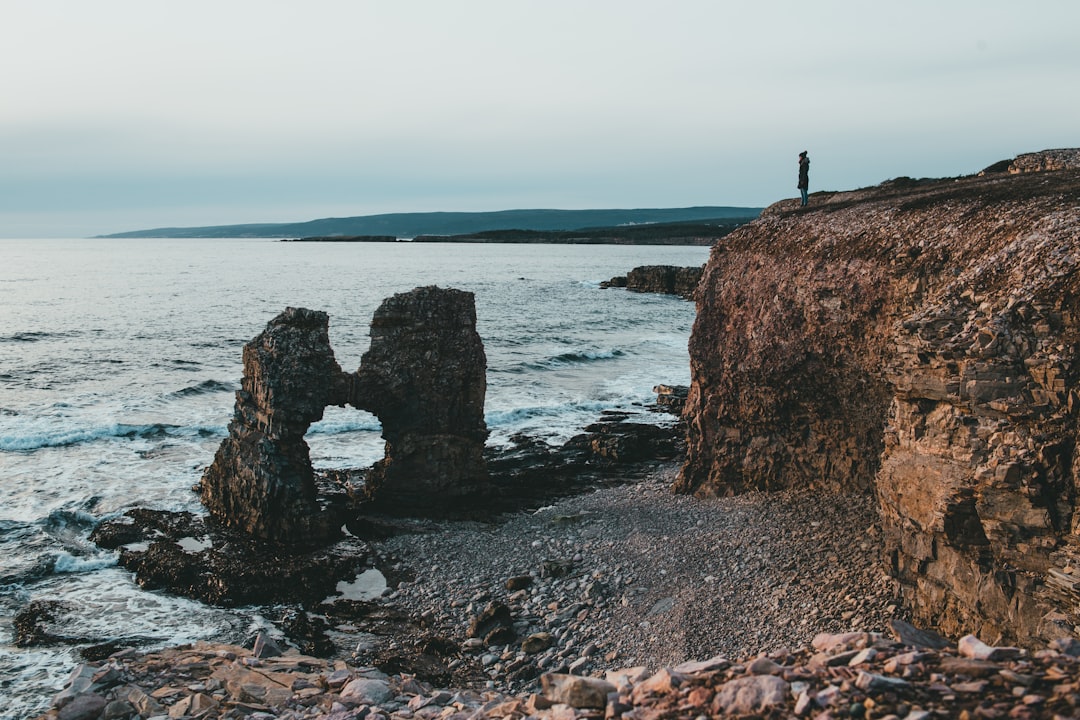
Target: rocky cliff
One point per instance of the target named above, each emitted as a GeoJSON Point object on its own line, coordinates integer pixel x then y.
{"type": "Point", "coordinates": [916, 340]}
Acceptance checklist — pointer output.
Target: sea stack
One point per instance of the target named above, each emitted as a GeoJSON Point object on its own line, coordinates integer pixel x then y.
{"type": "Point", "coordinates": [261, 480]}
{"type": "Point", "coordinates": [425, 377]}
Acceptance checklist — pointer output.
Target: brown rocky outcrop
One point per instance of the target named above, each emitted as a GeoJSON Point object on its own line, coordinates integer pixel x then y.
{"type": "Point", "coordinates": [424, 376]}
{"type": "Point", "coordinates": [1062, 159]}
{"type": "Point", "coordinates": [917, 340]}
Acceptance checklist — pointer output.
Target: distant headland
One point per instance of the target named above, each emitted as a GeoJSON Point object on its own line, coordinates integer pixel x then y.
{"type": "Point", "coordinates": [567, 226]}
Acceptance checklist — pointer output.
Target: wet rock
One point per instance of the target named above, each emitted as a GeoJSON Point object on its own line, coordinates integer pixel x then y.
{"type": "Point", "coordinates": [494, 625]}
{"type": "Point", "coordinates": [664, 279]}
{"type": "Point", "coordinates": [30, 623]}
{"type": "Point", "coordinates": [87, 706]}
{"type": "Point", "coordinates": [264, 646]}
{"type": "Point", "coordinates": [233, 568]}
{"type": "Point", "coordinates": [671, 398]}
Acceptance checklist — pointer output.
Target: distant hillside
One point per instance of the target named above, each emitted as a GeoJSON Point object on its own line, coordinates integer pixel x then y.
{"type": "Point", "coordinates": [408, 225]}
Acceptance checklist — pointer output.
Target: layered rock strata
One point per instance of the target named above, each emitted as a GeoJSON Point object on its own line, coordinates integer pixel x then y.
{"type": "Point", "coordinates": [917, 340]}
{"type": "Point", "coordinates": [261, 480]}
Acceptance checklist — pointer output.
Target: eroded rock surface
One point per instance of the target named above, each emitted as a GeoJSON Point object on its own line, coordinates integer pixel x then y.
{"type": "Point", "coordinates": [917, 340]}
{"type": "Point", "coordinates": [261, 480]}
{"type": "Point", "coordinates": [424, 376]}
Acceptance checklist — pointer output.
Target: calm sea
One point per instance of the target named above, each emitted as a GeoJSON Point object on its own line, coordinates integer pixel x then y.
{"type": "Point", "coordinates": [119, 360]}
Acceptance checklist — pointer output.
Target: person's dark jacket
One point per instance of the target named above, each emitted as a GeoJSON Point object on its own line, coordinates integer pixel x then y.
{"type": "Point", "coordinates": [804, 172]}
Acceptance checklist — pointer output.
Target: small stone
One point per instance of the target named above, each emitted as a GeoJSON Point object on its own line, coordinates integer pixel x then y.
{"type": "Point", "coordinates": [864, 656]}
{"type": "Point", "coordinates": [870, 682]}
{"type": "Point", "coordinates": [748, 695]}
{"type": "Point", "coordinates": [803, 704]}
{"type": "Point", "coordinates": [367, 691]}
{"type": "Point", "coordinates": [118, 710]}
{"type": "Point", "coordinates": [265, 647]}
{"type": "Point", "coordinates": [143, 703]}
{"type": "Point", "coordinates": [338, 678]}
{"type": "Point", "coordinates": [967, 666]}
{"type": "Point", "coordinates": [908, 634]}
{"type": "Point", "coordinates": [576, 691]}
{"type": "Point", "coordinates": [763, 666]}
{"type": "Point", "coordinates": [831, 643]}
{"type": "Point", "coordinates": [713, 664]}
{"type": "Point", "coordinates": [662, 682]}
{"type": "Point", "coordinates": [972, 647]}
{"type": "Point", "coordinates": [1067, 646]}
{"type": "Point", "coordinates": [626, 677]}
{"type": "Point", "coordinates": [519, 582]}
{"type": "Point", "coordinates": [537, 642]}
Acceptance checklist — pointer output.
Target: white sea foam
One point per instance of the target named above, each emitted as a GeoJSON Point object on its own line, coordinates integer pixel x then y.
{"type": "Point", "coordinates": [67, 563]}
{"type": "Point", "coordinates": [60, 432]}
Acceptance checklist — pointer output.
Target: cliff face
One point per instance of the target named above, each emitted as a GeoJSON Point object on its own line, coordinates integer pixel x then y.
{"type": "Point", "coordinates": [917, 340]}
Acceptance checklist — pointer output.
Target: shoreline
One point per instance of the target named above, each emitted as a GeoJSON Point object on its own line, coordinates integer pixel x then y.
{"type": "Point", "coordinates": [621, 576]}
{"type": "Point", "coordinates": [761, 661]}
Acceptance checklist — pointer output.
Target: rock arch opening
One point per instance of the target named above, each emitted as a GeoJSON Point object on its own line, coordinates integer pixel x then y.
{"type": "Point", "coordinates": [423, 377]}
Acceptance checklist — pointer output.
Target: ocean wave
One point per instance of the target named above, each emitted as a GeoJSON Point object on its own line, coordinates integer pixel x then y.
{"type": "Point", "coordinates": [519, 415]}
{"type": "Point", "coordinates": [573, 357]}
{"type": "Point", "coordinates": [28, 439]}
{"type": "Point", "coordinates": [205, 387]}
{"type": "Point", "coordinates": [33, 336]}
{"type": "Point", "coordinates": [340, 426]}
{"type": "Point", "coordinates": [66, 563]}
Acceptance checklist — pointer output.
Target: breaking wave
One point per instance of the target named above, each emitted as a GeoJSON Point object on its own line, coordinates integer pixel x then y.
{"type": "Point", "coordinates": [26, 439]}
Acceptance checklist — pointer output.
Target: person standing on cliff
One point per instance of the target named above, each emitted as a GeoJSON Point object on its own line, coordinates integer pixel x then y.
{"type": "Point", "coordinates": [804, 176]}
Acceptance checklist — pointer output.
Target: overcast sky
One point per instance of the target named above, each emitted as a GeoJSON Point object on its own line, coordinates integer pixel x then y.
{"type": "Point", "coordinates": [129, 114]}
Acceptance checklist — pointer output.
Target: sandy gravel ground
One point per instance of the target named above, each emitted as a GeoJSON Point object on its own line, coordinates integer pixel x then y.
{"type": "Point", "coordinates": [636, 575]}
